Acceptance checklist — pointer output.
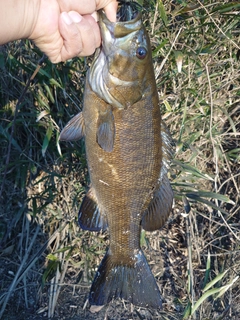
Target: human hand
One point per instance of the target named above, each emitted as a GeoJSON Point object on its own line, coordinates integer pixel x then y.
{"type": "Point", "coordinates": [67, 28]}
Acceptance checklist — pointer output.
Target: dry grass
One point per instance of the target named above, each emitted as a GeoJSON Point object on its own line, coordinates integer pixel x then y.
{"type": "Point", "coordinates": [47, 262]}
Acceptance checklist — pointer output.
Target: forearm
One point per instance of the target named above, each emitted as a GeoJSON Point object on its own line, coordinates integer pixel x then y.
{"type": "Point", "coordinates": [17, 19]}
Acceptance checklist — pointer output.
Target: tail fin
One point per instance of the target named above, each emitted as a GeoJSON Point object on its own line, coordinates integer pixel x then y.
{"type": "Point", "coordinates": [135, 284]}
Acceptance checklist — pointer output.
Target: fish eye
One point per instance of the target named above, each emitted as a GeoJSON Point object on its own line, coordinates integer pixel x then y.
{"type": "Point", "coordinates": [141, 52]}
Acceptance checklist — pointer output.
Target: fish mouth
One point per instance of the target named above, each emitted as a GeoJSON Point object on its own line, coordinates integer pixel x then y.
{"type": "Point", "coordinates": [127, 10]}
{"type": "Point", "coordinates": [128, 20]}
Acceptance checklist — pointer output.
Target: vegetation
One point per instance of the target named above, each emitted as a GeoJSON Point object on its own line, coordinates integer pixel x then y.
{"type": "Point", "coordinates": [47, 262]}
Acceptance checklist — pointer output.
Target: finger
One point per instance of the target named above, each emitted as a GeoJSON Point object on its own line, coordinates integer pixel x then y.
{"type": "Point", "coordinates": [90, 34]}
{"type": "Point", "coordinates": [89, 6]}
{"type": "Point", "coordinates": [83, 6]}
{"type": "Point", "coordinates": [80, 35]}
{"type": "Point", "coordinates": [72, 42]}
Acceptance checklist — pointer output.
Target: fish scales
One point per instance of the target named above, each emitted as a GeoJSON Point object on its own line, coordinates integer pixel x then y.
{"type": "Point", "coordinates": [119, 169]}
{"type": "Point", "coordinates": [128, 149]}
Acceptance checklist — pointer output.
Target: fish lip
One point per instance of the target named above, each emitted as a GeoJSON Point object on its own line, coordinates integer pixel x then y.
{"type": "Point", "coordinates": [106, 20]}
{"type": "Point", "coordinates": [119, 29]}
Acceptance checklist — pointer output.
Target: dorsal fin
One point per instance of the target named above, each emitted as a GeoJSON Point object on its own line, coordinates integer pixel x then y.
{"type": "Point", "coordinates": [167, 145]}
{"type": "Point", "coordinates": [160, 206]}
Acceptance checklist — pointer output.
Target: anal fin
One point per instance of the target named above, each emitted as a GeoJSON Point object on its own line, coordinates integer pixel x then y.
{"type": "Point", "coordinates": [160, 206]}
{"type": "Point", "coordinates": [90, 217]}
{"type": "Point", "coordinates": [74, 129]}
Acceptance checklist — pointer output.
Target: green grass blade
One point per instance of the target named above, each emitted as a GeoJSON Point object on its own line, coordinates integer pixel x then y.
{"type": "Point", "coordinates": [208, 266]}
{"type": "Point", "coordinates": [215, 280]}
{"type": "Point", "coordinates": [162, 12]}
{"type": "Point", "coordinates": [226, 287]}
{"type": "Point", "coordinates": [203, 298]}
{"type": "Point", "coordinates": [47, 140]}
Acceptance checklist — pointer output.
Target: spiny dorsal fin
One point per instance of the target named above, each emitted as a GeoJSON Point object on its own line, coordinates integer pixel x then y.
{"type": "Point", "coordinates": [167, 145]}
{"type": "Point", "coordinates": [90, 217]}
{"type": "Point", "coordinates": [74, 130]}
{"type": "Point", "coordinates": [106, 130]}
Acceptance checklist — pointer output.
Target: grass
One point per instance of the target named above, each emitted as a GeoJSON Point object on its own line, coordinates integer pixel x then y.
{"type": "Point", "coordinates": [47, 262]}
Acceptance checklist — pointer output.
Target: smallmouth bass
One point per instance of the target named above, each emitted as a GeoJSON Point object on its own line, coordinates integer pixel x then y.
{"type": "Point", "coordinates": [128, 149]}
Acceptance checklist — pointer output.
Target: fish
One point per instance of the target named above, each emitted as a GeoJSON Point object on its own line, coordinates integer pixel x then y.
{"type": "Point", "coordinates": [128, 150]}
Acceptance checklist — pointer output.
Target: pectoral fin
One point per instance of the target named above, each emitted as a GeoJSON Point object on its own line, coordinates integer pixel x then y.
{"type": "Point", "coordinates": [90, 217]}
{"type": "Point", "coordinates": [106, 130]}
{"type": "Point", "coordinates": [160, 206]}
{"type": "Point", "coordinates": [74, 130]}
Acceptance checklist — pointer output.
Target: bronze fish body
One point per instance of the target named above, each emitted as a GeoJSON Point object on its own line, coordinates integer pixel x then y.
{"type": "Point", "coordinates": [128, 148]}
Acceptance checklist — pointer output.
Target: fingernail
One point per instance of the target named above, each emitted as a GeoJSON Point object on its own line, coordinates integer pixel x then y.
{"type": "Point", "coordinates": [66, 18]}
{"type": "Point", "coordinates": [76, 17]}
{"type": "Point", "coordinates": [95, 16]}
